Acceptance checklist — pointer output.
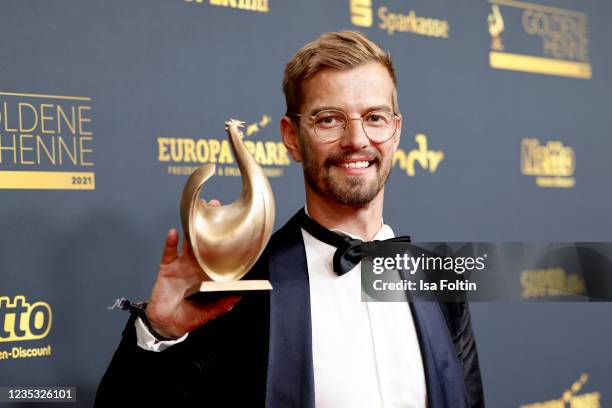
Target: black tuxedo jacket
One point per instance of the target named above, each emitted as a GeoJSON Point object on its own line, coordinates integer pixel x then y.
{"type": "Point", "coordinates": [260, 353]}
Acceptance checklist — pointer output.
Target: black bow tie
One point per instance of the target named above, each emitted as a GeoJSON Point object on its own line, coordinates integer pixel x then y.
{"type": "Point", "coordinates": [348, 250]}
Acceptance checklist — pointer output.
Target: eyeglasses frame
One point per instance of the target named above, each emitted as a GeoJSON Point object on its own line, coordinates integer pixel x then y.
{"type": "Point", "coordinates": [396, 116]}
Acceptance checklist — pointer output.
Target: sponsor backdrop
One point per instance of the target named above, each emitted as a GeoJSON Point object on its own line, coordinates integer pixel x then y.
{"type": "Point", "coordinates": [106, 106]}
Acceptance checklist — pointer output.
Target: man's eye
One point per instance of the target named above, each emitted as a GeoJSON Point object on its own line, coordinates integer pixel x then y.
{"type": "Point", "coordinates": [329, 121]}
{"type": "Point", "coordinates": [377, 119]}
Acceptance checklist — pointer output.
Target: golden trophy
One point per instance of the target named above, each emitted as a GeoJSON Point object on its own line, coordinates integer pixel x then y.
{"type": "Point", "coordinates": [227, 240]}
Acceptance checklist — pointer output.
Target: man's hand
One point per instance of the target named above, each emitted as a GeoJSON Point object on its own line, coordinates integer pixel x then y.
{"type": "Point", "coordinates": [169, 313]}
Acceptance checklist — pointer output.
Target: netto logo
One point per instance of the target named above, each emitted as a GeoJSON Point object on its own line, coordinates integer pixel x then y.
{"type": "Point", "coordinates": [571, 398]}
{"type": "Point", "coordinates": [551, 282]}
{"type": "Point", "coordinates": [394, 21]}
{"type": "Point", "coordinates": [21, 321]}
{"type": "Point", "coordinates": [553, 164]}
{"type": "Point", "coordinates": [562, 33]}
{"type": "Point", "coordinates": [250, 5]}
{"type": "Point", "coordinates": [427, 159]}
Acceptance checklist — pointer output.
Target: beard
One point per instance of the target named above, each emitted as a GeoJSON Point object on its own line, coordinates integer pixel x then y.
{"type": "Point", "coordinates": [354, 191]}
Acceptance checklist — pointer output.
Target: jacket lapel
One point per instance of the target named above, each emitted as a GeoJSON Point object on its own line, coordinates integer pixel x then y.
{"type": "Point", "coordinates": [443, 374]}
{"type": "Point", "coordinates": [290, 377]}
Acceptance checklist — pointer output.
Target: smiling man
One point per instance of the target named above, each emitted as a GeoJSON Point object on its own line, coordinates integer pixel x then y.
{"type": "Point", "coordinates": [310, 341]}
{"type": "Point", "coordinates": [345, 138]}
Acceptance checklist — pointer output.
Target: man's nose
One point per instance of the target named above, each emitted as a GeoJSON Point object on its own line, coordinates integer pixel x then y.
{"type": "Point", "coordinates": [354, 137]}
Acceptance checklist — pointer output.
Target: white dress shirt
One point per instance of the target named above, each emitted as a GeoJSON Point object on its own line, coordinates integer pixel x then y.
{"type": "Point", "coordinates": [365, 354]}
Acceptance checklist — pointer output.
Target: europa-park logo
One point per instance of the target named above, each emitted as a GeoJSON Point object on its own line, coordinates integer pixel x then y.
{"type": "Point", "coordinates": [23, 321]}
{"type": "Point", "coordinates": [184, 154]}
{"type": "Point", "coordinates": [393, 19]}
{"type": "Point", "coordinates": [571, 398]}
{"type": "Point", "coordinates": [552, 164]}
{"type": "Point", "coordinates": [260, 6]}
{"type": "Point", "coordinates": [541, 39]}
{"type": "Point", "coordinates": [46, 142]}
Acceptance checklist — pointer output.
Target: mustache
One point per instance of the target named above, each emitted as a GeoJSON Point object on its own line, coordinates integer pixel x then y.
{"type": "Point", "coordinates": [336, 158]}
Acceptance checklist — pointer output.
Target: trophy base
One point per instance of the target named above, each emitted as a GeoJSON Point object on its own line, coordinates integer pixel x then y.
{"type": "Point", "coordinates": [210, 291]}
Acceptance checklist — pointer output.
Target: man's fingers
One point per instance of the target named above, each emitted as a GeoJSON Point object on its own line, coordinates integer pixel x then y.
{"type": "Point", "coordinates": [219, 307]}
{"type": "Point", "coordinates": [214, 202]}
{"type": "Point", "coordinates": [186, 247]}
{"type": "Point", "coordinates": [169, 253]}
{"type": "Point", "coordinates": [229, 302]}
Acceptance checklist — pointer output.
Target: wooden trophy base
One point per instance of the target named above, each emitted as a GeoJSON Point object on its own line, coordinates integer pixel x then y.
{"type": "Point", "coordinates": [210, 291]}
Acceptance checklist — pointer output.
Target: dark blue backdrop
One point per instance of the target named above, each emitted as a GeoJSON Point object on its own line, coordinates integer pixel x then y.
{"type": "Point", "coordinates": [122, 89]}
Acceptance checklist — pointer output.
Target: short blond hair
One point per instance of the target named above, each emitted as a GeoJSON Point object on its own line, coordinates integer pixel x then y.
{"type": "Point", "coordinates": [339, 50]}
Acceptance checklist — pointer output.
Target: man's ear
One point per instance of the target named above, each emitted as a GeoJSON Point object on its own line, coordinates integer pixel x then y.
{"type": "Point", "coordinates": [398, 133]}
{"type": "Point", "coordinates": [289, 133]}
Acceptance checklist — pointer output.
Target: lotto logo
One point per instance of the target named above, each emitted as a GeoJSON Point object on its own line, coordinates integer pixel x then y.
{"type": "Point", "coordinates": [20, 320]}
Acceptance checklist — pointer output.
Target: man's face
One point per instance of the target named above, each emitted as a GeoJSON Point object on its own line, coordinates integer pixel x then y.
{"type": "Point", "coordinates": [334, 169]}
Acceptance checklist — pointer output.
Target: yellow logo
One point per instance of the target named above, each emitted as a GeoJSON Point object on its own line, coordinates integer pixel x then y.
{"type": "Point", "coordinates": [184, 154]}
{"type": "Point", "coordinates": [427, 159]}
{"type": "Point", "coordinates": [561, 35]}
{"type": "Point", "coordinates": [394, 21]}
{"type": "Point", "coordinates": [540, 283]}
{"type": "Point", "coordinates": [46, 142]}
{"type": "Point", "coordinates": [21, 321]}
{"type": "Point", "coordinates": [496, 27]}
{"type": "Point", "coordinates": [571, 398]}
{"type": "Point", "coordinates": [250, 5]}
{"type": "Point", "coordinates": [553, 164]}
{"type": "Point", "coordinates": [361, 13]}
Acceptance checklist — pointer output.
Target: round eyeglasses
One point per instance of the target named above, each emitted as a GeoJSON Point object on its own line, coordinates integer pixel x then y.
{"type": "Point", "coordinates": [329, 125]}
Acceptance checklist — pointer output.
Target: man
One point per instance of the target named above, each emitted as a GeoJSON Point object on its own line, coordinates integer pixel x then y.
{"type": "Point", "coordinates": [310, 341]}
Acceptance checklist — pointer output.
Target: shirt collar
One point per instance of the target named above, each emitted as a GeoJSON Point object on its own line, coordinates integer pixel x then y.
{"type": "Point", "coordinates": [385, 231]}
